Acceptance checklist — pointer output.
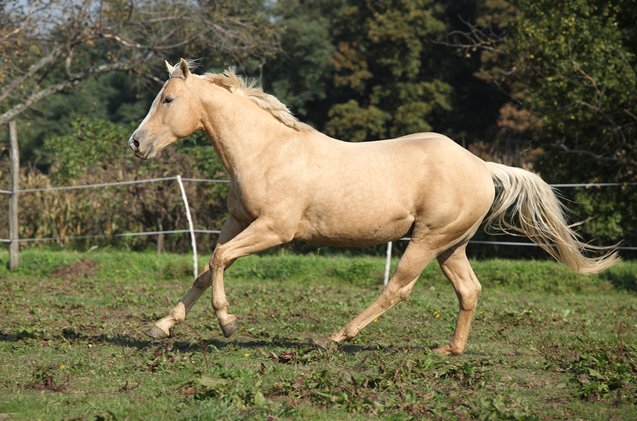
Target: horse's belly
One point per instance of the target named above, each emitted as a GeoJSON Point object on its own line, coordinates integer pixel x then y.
{"type": "Point", "coordinates": [353, 227]}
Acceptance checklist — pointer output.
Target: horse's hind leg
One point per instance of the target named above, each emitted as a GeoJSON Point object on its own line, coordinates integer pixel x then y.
{"type": "Point", "coordinates": [161, 328]}
{"type": "Point", "coordinates": [456, 267]}
{"type": "Point", "coordinates": [411, 265]}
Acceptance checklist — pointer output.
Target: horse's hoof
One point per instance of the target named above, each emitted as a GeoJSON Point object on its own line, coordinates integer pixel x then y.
{"type": "Point", "coordinates": [156, 333]}
{"type": "Point", "coordinates": [447, 351]}
{"type": "Point", "coordinates": [229, 328]}
{"type": "Point", "coordinates": [324, 342]}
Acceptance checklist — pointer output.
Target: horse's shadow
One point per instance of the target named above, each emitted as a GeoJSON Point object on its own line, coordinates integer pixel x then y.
{"type": "Point", "coordinates": [626, 281]}
{"type": "Point", "coordinates": [173, 344]}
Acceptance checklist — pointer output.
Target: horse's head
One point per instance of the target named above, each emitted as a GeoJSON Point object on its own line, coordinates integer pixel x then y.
{"type": "Point", "coordinates": [174, 114]}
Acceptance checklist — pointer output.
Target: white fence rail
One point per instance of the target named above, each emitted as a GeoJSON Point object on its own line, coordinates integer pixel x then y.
{"type": "Point", "coordinates": [192, 231]}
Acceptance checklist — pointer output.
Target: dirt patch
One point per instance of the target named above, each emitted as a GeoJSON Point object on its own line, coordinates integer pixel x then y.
{"type": "Point", "coordinates": [43, 379]}
{"type": "Point", "coordinates": [84, 268]}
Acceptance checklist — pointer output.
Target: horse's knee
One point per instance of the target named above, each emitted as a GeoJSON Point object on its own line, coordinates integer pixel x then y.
{"type": "Point", "coordinates": [216, 261]}
{"type": "Point", "coordinates": [405, 292]}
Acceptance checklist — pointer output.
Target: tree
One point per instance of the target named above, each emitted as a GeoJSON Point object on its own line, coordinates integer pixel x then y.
{"type": "Point", "coordinates": [579, 74]}
{"type": "Point", "coordinates": [300, 74]}
{"type": "Point", "coordinates": [568, 72]}
{"type": "Point", "coordinates": [323, 42]}
{"type": "Point", "coordinates": [577, 61]}
{"type": "Point", "coordinates": [480, 32]}
{"type": "Point", "coordinates": [384, 84]}
{"type": "Point", "coordinates": [48, 46]}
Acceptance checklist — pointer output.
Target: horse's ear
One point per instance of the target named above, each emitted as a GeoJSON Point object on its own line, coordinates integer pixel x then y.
{"type": "Point", "coordinates": [169, 67]}
{"type": "Point", "coordinates": [183, 67]}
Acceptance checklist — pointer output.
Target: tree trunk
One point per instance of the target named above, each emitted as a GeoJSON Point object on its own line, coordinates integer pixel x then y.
{"type": "Point", "coordinates": [160, 238]}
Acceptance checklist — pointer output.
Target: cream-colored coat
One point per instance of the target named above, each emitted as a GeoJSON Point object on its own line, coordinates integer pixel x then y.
{"type": "Point", "coordinates": [290, 182]}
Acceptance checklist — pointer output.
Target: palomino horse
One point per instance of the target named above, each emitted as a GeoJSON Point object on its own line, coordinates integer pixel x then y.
{"type": "Point", "coordinates": [290, 182]}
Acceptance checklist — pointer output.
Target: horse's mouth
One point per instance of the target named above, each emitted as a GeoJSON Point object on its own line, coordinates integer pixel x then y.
{"type": "Point", "coordinates": [147, 154]}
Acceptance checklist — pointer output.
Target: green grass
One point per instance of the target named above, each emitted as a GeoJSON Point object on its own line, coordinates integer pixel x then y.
{"type": "Point", "coordinates": [546, 344]}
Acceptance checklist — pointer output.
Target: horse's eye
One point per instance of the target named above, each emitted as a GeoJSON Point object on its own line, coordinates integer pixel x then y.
{"type": "Point", "coordinates": [167, 100]}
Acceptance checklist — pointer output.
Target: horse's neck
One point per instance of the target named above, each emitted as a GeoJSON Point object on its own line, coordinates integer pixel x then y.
{"type": "Point", "coordinates": [241, 131]}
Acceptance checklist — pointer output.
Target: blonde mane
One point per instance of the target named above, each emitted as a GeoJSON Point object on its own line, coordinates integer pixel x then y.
{"type": "Point", "coordinates": [247, 88]}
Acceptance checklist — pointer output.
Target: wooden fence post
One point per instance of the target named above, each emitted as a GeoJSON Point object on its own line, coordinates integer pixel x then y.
{"type": "Point", "coordinates": [14, 157]}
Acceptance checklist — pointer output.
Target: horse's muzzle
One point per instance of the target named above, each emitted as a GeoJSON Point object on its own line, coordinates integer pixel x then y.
{"type": "Point", "coordinates": [134, 144]}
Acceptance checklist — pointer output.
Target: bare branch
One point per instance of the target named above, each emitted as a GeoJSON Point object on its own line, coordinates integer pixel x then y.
{"type": "Point", "coordinates": [33, 69]}
{"type": "Point", "coordinates": [121, 40]}
{"type": "Point", "coordinates": [59, 87]}
{"type": "Point", "coordinates": [631, 114]}
{"type": "Point", "coordinates": [66, 36]}
{"type": "Point", "coordinates": [475, 38]}
{"type": "Point", "coordinates": [593, 155]}
{"type": "Point", "coordinates": [8, 35]}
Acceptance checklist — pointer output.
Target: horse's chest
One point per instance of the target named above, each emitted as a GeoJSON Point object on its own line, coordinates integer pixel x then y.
{"type": "Point", "coordinates": [248, 205]}
{"type": "Point", "coordinates": [241, 207]}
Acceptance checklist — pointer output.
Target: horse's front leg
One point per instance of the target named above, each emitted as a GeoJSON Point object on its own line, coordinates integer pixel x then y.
{"type": "Point", "coordinates": [260, 235]}
{"type": "Point", "coordinates": [161, 328]}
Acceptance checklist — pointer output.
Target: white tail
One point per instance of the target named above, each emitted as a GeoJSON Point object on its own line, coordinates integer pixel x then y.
{"type": "Point", "coordinates": [525, 204]}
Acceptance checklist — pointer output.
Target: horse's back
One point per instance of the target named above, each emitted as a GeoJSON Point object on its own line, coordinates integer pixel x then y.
{"type": "Point", "coordinates": [426, 164]}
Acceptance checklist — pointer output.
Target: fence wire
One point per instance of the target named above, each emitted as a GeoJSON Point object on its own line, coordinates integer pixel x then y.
{"type": "Point", "coordinates": [225, 181]}
{"type": "Point", "coordinates": [216, 231]}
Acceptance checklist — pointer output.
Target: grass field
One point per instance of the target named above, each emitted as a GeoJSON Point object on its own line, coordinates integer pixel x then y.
{"type": "Point", "coordinates": [546, 344]}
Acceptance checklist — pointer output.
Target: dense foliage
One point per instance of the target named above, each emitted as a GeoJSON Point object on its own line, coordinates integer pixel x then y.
{"type": "Point", "coordinates": [578, 62]}
{"type": "Point", "coordinates": [550, 86]}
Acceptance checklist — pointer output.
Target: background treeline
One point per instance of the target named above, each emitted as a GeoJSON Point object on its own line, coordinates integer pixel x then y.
{"type": "Point", "coordinates": [549, 86]}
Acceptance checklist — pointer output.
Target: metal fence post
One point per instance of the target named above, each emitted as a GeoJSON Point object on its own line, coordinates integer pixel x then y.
{"type": "Point", "coordinates": [387, 263]}
{"type": "Point", "coordinates": [14, 158]}
{"type": "Point", "coordinates": [193, 240]}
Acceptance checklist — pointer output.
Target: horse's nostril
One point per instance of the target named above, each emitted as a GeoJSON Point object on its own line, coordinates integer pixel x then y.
{"type": "Point", "coordinates": [136, 143]}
